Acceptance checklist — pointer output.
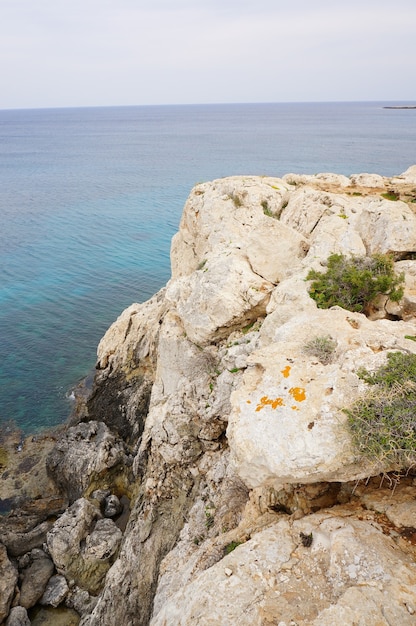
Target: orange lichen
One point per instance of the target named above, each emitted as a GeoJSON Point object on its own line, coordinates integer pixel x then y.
{"type": "Point", "coordinates": [298, 393]}
{"type": "Point", "coordinates": [295, 408]}
{"type": "Point", "coordinates": [286, 371]}
{"type": "Point", "coordinates": [265, 401]}
{"type": "Point", "coordinates": [248, 401]}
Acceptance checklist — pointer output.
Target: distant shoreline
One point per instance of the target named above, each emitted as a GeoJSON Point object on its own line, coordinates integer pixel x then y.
{"type": "Point", "coordinates": [412, 106]}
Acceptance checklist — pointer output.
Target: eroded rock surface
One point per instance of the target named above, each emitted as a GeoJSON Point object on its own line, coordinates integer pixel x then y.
{"type": "Point", "coordinates": [248, 502]}
{"type": "Point", "coordinates": [85, 451]}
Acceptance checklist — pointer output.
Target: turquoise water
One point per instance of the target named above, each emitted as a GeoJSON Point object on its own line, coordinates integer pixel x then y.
{"type": "Point", "coordinates": [90, 198]}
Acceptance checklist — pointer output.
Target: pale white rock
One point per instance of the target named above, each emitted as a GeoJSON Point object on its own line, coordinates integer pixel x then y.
{"type": "Point", "coordinates": [228, 255]}
{"type": "Point", "coordinates": [276, 578]}
{"type": "Point", "coordinates": [224, 295]}
{"type": "Point", "coordinates": [387, 226]}
{"type": "Point", "coordinates": [306, 207]}
{"type": "Point", "coordinates": [133, 336]}
{"type": "Point", "coordinates": [334, 234]}
{"type": "Point", "coordinates": [230, 213]}
{"type": "Point", "coordinates": [368, 180]}
{"type": "Point", "coordinates": [235, 264]}
{"type": "Point", "coordinates": [325, 179]}
{"type": "Point", "coordinates": [290, 295]}
{"type": "Point", "coordinates": [400, 509]}
{"type": "Point", "coordinates": [286, 423]}
{"type": "Point", "coordinates": [408, 177]}
{"type": "Point", "coordinates": [406, 308]}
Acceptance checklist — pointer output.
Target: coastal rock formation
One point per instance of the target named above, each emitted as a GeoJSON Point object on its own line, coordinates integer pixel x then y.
{"type": "Point", "coordinates": [83, 545]}
{"type": "Point", "coordinates": [237, 406]}
{"type": "Point", "coordinates": [212, 477]}
{"type": "Point", "coordinates": [326, 568]}
{"type": "Point", "coordinates": [8, 580]}
{"type": "Point", "coordinates": [83, 453]}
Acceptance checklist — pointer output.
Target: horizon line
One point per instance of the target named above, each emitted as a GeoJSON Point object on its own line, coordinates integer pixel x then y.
{"type": "Point", "coordinates": [196, 104]}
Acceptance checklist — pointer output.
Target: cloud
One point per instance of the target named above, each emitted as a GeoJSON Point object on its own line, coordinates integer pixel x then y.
{"type": "Point", "coordinates": [55, 53]}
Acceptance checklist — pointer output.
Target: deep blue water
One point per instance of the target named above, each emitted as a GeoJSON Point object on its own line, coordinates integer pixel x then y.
{"type": "Point", "coordinates": [90, 198]}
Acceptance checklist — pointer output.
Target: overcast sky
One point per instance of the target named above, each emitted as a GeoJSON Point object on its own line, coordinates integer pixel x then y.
{"type": "Point", "coordinates": [123, 52]}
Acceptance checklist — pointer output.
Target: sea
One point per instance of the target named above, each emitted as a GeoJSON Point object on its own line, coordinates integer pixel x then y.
{"type": "Point", "coordinates": [91, 197]}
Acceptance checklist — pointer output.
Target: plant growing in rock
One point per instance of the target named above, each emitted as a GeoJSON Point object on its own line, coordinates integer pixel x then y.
{"type": "Point", "coordinates": [391, 195]}
{"type": "Point", "coordinates": [230, 547]}
{"type": "Point", "coordinates": [354, 283]}
{"type": "Point", "coordinates": [322, 347]}
{"type": "Point", "coordinates": [382, 422]}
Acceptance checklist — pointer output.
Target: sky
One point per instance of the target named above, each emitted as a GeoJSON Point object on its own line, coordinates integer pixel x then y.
{"type": "Point", "coordinates": [66, 53]}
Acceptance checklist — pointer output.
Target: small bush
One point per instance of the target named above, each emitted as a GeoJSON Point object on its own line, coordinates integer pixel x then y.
{"type": "Point", "coordinates": [391, 195]}
{"type": "Point", "coordinates": [230, 547]}
{"type": "Point", "coordinates": [322, 347]}
{"type": "Point", "coordinates": [353, 283]}
{"type": "Point", "coordinates": [383, 422]}
{"type": "Point", "coordinates": [237, 200]}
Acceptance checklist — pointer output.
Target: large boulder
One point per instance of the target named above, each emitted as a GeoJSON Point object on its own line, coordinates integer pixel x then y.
{"type": "Point", "coordinates": [387, 227]}
{"type": "Point", "coordinates": [35, 578]}
{"type": "Point", "coordinates": [18, 617]}
{"type": "Point", "coordinates": [229, 253]}
{"type": "Point", "coordinates": [8, 580]}
{"type": "Point", "coordinates": [286, 423]}
{"type": "Point", "coordinates": [327, 568]}
{"type": "Point", "coordinates": [84, 452]}
{"type": "Point", "coordinates": [83, 545]}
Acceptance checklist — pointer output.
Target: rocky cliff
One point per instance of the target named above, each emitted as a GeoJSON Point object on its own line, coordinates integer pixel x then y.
{"type": "Point", "coordinates": [212, 477]}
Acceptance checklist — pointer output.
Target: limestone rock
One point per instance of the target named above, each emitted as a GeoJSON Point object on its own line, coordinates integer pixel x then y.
{"type": "Point", "coordinates": [127, 357]}
{"type": "Point", "coordinates": [409, 176]}
{"type": "Point", "coordinates": [286, 419]}
{"type": "Point", "coordinates": [56, 591]}
{"type": "Point", "coordinates": [8, 580]}
{"type": "Point", "coordinates": [368, 180]}
{"type": "Point", "coordinates": [20, 543]}
{"type": "Point", "coordinates": [18, 617]}
{"type": "Point", "coordinates": [82, 452]}
{"type": "Point", "coordinates": [357, 574]}
{"type": "Point", "coordinates": [112, 506]}
{"type": "Point", "coordinates": [83, 545]}
{"type": "Point", "coordinates": [80, 600]}
{"type": "Point", "coordinates": [406, 308]}
{"type": "Point", "coordinates": [224, 343]}
{"type": "Point", "coordinates": [35, 578]}
{"type": "Point", "coordinates": [228, 255]}
{"type": "Point", "coordinates": [387, 227]}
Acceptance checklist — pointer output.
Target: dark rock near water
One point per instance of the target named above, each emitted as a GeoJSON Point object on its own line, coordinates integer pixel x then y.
{"type": "Point", "coordinates": [8, 580]}
{"type": "Point", "coordinates": [80, 600]}
{"type": "Point", "coordinates": [20, 543]}
{"type": "Point", "coordinates": [83, 545]}
{"type": "Point", "coordinates": [83, 452]}
{"type": "Point", "coordinates": [18, 617]}
{"type": "Point", "coordinates": [112, 506]}
{"type": "Point", "coordinates": [56, 591]}
{"type": "Point", "coordinates": [122, 403]}
{"type": "Point", "coordinates": [35, 578]}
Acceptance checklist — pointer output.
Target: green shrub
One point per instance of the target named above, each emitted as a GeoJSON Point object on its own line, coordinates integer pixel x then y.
{"type": "Point", "coordinates": [237, 200]}
{"type": "Point", "coordinates": [230, 547]}
{"type": "Point", "coordinates": [353, 283]}
{"type": "Point", "coordinates": [382, 422]}
{"type": "Point", "coordinates": [322, 347]}
{"type": "Point", "coordinates": [391, 195]}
